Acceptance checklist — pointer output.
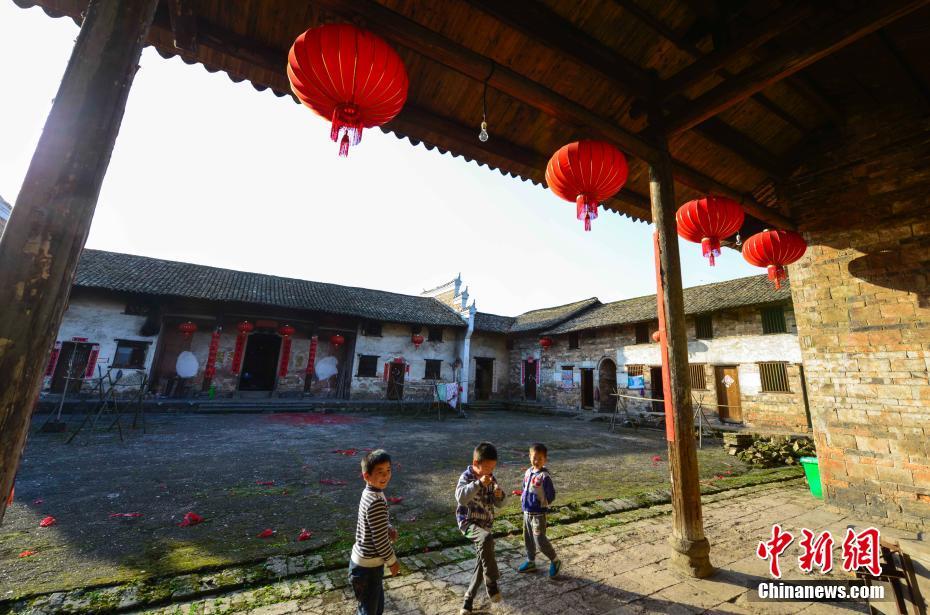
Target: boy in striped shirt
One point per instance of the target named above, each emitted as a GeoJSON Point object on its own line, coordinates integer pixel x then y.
{"type": "Point", "coordinates": [372, 550]}
{"type": "Point", "coordinates": [477, 493]}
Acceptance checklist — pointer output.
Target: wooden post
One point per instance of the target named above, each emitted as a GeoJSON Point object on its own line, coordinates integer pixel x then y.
{"type": "Point", "coordinates": [690, 549]}
{"type": "Point", "coordinates": [49, 224]}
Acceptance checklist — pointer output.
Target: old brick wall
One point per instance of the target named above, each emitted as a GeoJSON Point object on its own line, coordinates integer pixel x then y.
{"type": "Point", "coordinates": [862, 298]}
{"type": "Point", "coordinates": [490, 346]}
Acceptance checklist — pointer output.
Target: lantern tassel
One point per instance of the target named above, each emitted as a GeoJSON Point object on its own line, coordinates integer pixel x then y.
{"type": "Point", "coordinates": [777, 274]}
{"type": "Point", "coordinates": [710, 248]}
{"type": "Point", "coordinates": [585, 210]}
{"type": "Point", "coordinates": [344, 145]}
{"type": "Point", "coordinates": [348, 122]}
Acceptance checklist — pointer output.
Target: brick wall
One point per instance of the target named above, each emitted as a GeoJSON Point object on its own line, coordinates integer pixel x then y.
{"type": "Point", "coordinates": [862, 298]}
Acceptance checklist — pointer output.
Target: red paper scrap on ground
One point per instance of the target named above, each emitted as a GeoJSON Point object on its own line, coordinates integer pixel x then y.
{"type": "Point", "coordinates": [190, 518]}
{"type": "Point", "coordinates": [395, 500]}
{"type": "Point", "coordinates": [266, 533]}
{"type": "Point", "coordinates": [348, 452]}
{"type": "Point", "coordinates": [308, 418]}
{"type": "Point", "coordinates": [411, 519]}
{"type": "Point", "coordinates": [656, 459]}
{"type": "Point", "coordinates": [304, 535]}
{"type": "Point", "coordinates": [332, 481]}
{"type": "Point", "coordinates": [131, 515]}
{"type": "Point", "coordinates": [266, 483]}
{"type": "Point", "coordinates": [517, 492]}
{"type": "Point", "coordinates": [46, 522]}
{"type": "Point", "coordinates": [27, 553]}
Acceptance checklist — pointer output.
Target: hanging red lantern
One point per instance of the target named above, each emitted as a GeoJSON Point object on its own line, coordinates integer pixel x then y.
{"type": "Point", "coordinates": [546, 343]}
{"type": "Point", "coordinates": [348, 76]}
{"type": "Point", "coordinates": [656, 336]}
{"type": "Point", "coordinates": [706, 221]}
{"type": "Point", "coordinates": [774, 250]}
{"type": "Point", "coordinates": [336, 341]}
{"type": "Point", "coordinates": [244, 327]}
{"type": "Point", "coordinates": [417, 339]}
{"type": "Point", "coordinates": [285, 331]}
{"type": "Point", "coordinates": [210, 370]}
{"type": "Point", "coordinates": [586, 172]}
{"type": "Point", "coordinates": [188, 329]}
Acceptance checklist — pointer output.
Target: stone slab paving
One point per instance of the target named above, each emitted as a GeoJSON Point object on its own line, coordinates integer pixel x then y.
{"type": "Point", "coordinates": [614, 564]}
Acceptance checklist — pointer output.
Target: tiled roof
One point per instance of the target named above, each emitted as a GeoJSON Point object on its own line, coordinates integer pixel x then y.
{"type": "Point", "coordinates": [551, 316]}
{"type": "Point", "coordinates": [152, 276]}
{"type": "Point", "coordinates": [492, 323]}
{"type": "Point", "coordinates": [5, 209]}
{"type": "Point", "coordinates": [756, 290]}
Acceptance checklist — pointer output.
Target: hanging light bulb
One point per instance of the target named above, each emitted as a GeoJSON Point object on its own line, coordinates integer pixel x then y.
{"type": "Point", "coordinates": [483, 135]}
{"type": "Point", "coordinates": [739, 241]}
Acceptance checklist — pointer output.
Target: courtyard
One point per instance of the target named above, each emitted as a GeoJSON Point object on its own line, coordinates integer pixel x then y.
{"type": "Point", "coordinates": [119, 506]}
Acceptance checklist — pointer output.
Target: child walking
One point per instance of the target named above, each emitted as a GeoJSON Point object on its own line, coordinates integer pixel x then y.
{"type": "Point", "coordinates": [477, 493]}
{"type": "Point", "coordinates": [538, 494]}
{"type": "Point", "coordinates": [372, 550]}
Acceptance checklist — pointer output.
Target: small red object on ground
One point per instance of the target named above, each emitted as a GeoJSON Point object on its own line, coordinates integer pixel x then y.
{"type": "Point", "coordinates": [27, 553]}
{"type": "Point", "coordinates": [48, 521]}
{"type": "Point", "coordinates": [304, 535]}
{"type": "Point", "coordinates": [190, 518]}
{"type": "Point", "coordinates": [517, 492]}
{"type": "Point", "coordinates": [395, 500]}
{"type": "Point", "coordinates": [266, 533]}
{"type": "Point", "coordinates": [266, 483]}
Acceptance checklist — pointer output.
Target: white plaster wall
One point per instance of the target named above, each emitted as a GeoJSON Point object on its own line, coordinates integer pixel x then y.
{"type": "Point", "coordinates": [101, 321]}
{"type": "Point", "coordinates": [395, 343]}
{"type": "Point", "coordinates": [720, 351]}
{"type": "Point", "coordinates": [490, 346]}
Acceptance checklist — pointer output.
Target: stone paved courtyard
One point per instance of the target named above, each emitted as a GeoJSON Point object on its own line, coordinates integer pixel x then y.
{"type": "Point", "coordinates": [615, 564]}
{"type": "Point", "coordinates": [246, 473]}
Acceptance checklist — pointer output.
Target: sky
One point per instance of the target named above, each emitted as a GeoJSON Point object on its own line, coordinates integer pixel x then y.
{"type": "Point", "coordinates": [213, 172]}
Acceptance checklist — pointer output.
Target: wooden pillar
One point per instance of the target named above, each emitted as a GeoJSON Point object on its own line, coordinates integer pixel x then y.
{"type": "Point", "coordinates": [690, 549]}
{"type": "Point", "coordinates": [49, 224]}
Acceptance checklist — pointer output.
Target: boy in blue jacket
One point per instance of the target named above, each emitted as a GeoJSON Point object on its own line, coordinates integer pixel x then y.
{"type": "Point", "coordinates": [538, 494]}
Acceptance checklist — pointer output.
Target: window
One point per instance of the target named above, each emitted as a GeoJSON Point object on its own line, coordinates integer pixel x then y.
{"type": "Point", "coordinates": [435, 334]}
{"type": "Point", "coordinates": [136, 309]}
{"type": "Point", "coordinates": [704, 327]}
{"type": "Point", "coordinates": [433, 369]}
{"type": "Point", "coordinates": [642, 333]}
{"type": "Point", "coordinates": [367, 366]}
{"type": "Point", "coordinates": [509, 343]}
{"type": "Point", "coordinates": [572, 341]}
{"type": "Point", "coordinates": [130, 355]}
{"type": "Point", "coordinates": [698, 377]}
{"type": "Point", "coordinates": [371, 329]}
{"type": "Point", "coordinates": [634, 370]}
{"type": "Point", "coordinates": [774, 377]}
{"type": "Point", "coordinates": [773, 320]}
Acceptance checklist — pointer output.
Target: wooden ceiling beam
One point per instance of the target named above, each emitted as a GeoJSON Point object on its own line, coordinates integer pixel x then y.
{"type": "Point", "coordinates": [183, 24]}
{"type": "Point", "coordinates": [403, 31]}
{"type": "Point", "coordinates": [916, 80]}
{"type": "Point", "coordinates": [800, 55]}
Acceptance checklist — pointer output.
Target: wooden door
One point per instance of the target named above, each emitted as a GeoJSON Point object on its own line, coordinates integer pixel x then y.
{"type": "Point", "coordinates": [728, 398]}
{"type": "Point", "coordinates": [396, 381]}
{"type": "Point", "coordinates": [607, 383]}
{"type": "Point", "coordinates": [658, 388]}
{"type": "Point", "coordinates": [72, 363]}
{"type": "Point", "coordinates": [484, 372]}
{"type": "Point", "coordinates": [587, 388]}
{"type": "Point", "coordinates": [529, 380]}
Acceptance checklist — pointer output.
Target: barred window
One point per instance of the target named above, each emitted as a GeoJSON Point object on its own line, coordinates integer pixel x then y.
{"type": "Point", "coordinates": [634, 370]}
{"type": "Point", "coordinates": [572, 341]}
{"type": "Point", "coordinates": [704, 327]}
{"type": "Point", "coordinates": [367, 366]}
{"type": "Point", "coordinates": [433, 369]}
{"type": "Point", "coordinates": [698, 377]}
{"type": "Point", "coordinates": [773, 320]}
{"type": "Point", "coordinates": [371, 329]}
{"type": "Point", "coordinates": [435, 334]}
{"type": "Point", "coordinates": [642, 333]}
{"type": "Point", "coordinates": [774, 377]}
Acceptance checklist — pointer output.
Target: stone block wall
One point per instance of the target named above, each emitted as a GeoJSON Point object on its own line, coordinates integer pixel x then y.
{"type": "Point", "coordinates": [862, 298]}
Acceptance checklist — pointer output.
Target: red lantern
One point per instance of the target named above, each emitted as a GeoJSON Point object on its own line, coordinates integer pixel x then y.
{"type": "Point", "coordinates": [244, 327]}
{"type": "Point", "coordinates": [774, 250]}
{"type": "Point", "coordinates": [546, 343]}
{"type": "Point", "coordinates": [417, 339]}
{"type": "Point", "coordinates": [706, 221]}
{"type": "Point", "coordinates": [188, 329]}
{"type": "Point", "coordinates": [348, 76]}
{"type": "Point", "coordinates": [586, 172]}
{"type": "Point", "coordinates": [656, 336]}
{"type": "Point", "coordinates": [286, 331]}
{"type": "Point", "coordinates": [336, 341]}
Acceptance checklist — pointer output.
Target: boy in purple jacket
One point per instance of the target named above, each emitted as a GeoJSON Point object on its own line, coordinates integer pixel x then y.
{"type": "Point", "coordinates": [538, 494]}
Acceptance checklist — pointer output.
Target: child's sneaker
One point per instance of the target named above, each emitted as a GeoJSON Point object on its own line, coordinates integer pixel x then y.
{"type": "Point", "coordinates": [527, 566]}
{"type": "Point", "coordinates": [494, 594]}
{"type": "Point", "coordinates": [554, 568]}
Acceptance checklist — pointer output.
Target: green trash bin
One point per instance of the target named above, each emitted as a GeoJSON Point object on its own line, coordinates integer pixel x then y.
{"type": "Point", "coordinates": [812, 471]}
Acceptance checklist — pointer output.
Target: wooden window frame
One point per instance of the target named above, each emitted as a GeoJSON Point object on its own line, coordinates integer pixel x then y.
{"type": "Point", "coordinates": [706, 332]}
{"type": "Point", "coordinates": [574, 341]}
{"type": "Point", "coordinates": [774, 377]}
{"type": "Point", "coordinates": [374, 366]}
{"type": "Point", "coordinates": [434, 334]}
{"type": "Point", "coordinates": [135, 344]}
{"type": "Point", "coordinates": [367, 329]}
{"type": "Point", "coordinates": [638, 329]}
{"type": "Point", "coordinates": [635, 369]}
{"type": "Point", "coordinates": [773, 324]}
{"type": "Point", "coordinates": [434, 363]}
{"type": "Point", "coordinates": [697, 369]}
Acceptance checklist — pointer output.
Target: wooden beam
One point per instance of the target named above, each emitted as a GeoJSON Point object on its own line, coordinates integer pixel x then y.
{"type": "Point", "coordinates": [48, 227]}
{"type": "Point", "coordinates": [690, 548]}
{"type": "Point", "coordinates": [183, 24]}
{"type": "Point", "coordinates": [800, 55]}
{"type": "Point", "coordinates": [916, 80]}
{"type": "Point", "coordinates": [718, 131]}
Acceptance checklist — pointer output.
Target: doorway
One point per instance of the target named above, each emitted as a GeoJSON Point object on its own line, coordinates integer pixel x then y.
{"type": "Point", "coordinates": [607, 383]}
{"type": "Point", "coordinates": [259, 366]}
{"type": "Point", "coordinates": [529, 380]}
{"type": "Point", "coordinates": [728, 396]}
{"type": "Point", "coordinates": [396, 381]}
{"type": "Point", "coordinates": [484, 377]}
{"type": "Point", "coordinates": [72, 363]}
{"type": "Point", "coordinates": [658, 388]}
{"type": "Point", "coordinates": [587, 387]}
